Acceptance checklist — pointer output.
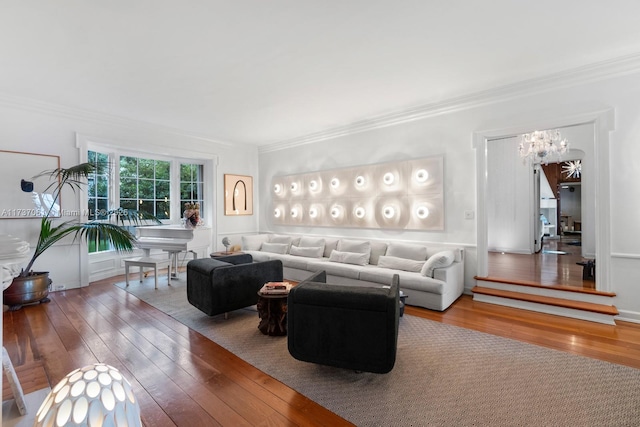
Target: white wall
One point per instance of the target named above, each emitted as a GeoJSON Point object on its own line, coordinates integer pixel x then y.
{"type": "Point", "coordinates": [451, 135]}
{"type": "Point", "coordinates": [48, 130]}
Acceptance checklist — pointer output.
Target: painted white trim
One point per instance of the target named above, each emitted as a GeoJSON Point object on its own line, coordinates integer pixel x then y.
{"type": "Point", "coordinates": [628, 316]}
{"type": "Point", "coordinates": [569, 78]}
{"type": "Point", "coordinates": [603, 121]}
{"type": "Point", "coordinates": [625, 256]}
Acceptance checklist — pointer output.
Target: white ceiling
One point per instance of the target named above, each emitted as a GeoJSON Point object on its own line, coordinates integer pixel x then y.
{"type": "Point", "coordinates": [267, 71]}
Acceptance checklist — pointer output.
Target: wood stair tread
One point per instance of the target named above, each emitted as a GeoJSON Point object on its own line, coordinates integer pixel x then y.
{"type": "Point", "coordinates": [540, 299]}
{"type": "Point", "coordinates": [538, 285]}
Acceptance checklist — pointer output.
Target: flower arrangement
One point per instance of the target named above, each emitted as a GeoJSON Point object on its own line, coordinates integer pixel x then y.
{"type": "Point", "coordinates": [191, 214]}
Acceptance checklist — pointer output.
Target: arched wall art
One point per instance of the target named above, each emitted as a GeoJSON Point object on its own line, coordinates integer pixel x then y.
{"type": "Point", "coordinates": [238, 195]}
{"type": "Point", "coordinates": [395, 195]}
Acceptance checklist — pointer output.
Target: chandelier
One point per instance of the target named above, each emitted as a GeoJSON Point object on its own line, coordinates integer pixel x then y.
{"type": "Point", "coordinates": [572, 169]}
{"type": "Point", "coordinates": [539, 146]}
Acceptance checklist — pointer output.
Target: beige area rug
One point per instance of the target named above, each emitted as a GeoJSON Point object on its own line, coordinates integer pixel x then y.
{"type": "Point", "coordinates": [444, 375]}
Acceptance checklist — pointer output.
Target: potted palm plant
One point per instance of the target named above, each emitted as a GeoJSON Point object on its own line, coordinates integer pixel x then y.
{"type": "Point", "coordinates": [32, 286]}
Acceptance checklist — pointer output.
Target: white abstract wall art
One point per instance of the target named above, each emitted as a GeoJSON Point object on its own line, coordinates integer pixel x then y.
{"type": "Point", "coordinates": [395, 195]}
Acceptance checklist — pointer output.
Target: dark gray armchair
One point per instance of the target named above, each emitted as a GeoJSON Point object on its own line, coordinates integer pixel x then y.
{"type": "Point", "coordinates": [352, 327]}
{"type": "Point", "coordinates": [225, 284]}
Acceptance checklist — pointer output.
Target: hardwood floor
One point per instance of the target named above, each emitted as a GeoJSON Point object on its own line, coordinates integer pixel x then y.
{"type": "Point", "coordinates": [183, 379]}
{"type": "Point", "coordinates": [545, 267]}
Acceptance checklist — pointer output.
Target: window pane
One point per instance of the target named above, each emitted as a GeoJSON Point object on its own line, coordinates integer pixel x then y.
{"type": "Point", "coordinates": [163, 190]}
{"type": "Point", "coordinates": [128, 167]}
{"type": "Point", "coordinates": [186, 191]}
{"type": "Point", "coordinates": [186, 172]}
{"type": "Point", "coordinates": [128, 204]}
{"type": "Point", "coordinates": [128, 188]}
{"type": "Point", "coordinates": [146, 189]}
{"type": "Point", "coordinates": [102, 186]}
{"type": "Point", "coordinates": [145, 168]}
{"type": "Point", "coordinates": [91, 186]}
{"type": "Point", "coordinates": [102, 207]}
{"type": "Point", "coordinates": [163, 170]}
{"type": "Point", "coordinates": [162, 209]}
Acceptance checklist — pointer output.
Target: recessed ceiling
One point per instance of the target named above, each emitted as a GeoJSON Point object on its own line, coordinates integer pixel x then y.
{"type": "Point", "coordinates": [267, 71]}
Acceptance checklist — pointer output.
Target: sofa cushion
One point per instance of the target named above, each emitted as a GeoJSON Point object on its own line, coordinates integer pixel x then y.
{"type": "Point", "coordinates": [356, 246]}
{"type": "Point", "coordinates": [276, 248]}
{"type": "Point", "coordinates": [400, 263]}
{"type": "Point", "coordinates": [408, 251]}
{"type": "Point", "coordinates": [339, 269]}
{"type": "Point", "coordinates": [408, 280]}
{"type": "Point", "coordinates": [259, 256]}
{"type": "Point", "coordinates": [330, 245]}
{"type": "Point", "coordinates": [254, 242]}
{"type": "Point", "coordinates": [377, 250]}
{"type": "Point", "coordinates": [283, 238]}
{"type": "Point", "coordinates": [309, 251]}
{"type": "Point", "coordinates": [441, 259]}
{"type": "Point", "coordinates": [311, 242]}
{"type": "Point", "coordinates": [349, 257]}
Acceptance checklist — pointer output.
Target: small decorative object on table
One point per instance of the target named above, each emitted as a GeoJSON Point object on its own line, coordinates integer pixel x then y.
{"type": "Point", "coordinates": [226, 243]}
{"type": "Point", "coordinates": [191, 214]}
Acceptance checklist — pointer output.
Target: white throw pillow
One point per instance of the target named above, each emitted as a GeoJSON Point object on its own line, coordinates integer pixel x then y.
{"type": "Point", "coordinates": [349, 257]}
{"type": "Point", "coordinates": [329, 246]}
{"type": "Point", "coordinates": [441, 259]}
{"type": "Point", "coordinates": [400, 264]}
{"type": "Point", "coordinates": [356, 246]}
{"type": "Point", "coordinates": [309, 252]}
{"type": "Point", "coordinates": [276, 248]}
{"type": "Point", "coordinates": [254, 242]}
{"type": "Point", "coordinates": [408, 251]}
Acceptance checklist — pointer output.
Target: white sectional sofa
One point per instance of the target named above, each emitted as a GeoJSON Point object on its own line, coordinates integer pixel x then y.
{"type": "Point", "coordinates": [431, 276]}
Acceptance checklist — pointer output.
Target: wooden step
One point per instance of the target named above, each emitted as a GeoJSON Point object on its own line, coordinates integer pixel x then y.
{"type": "Point", "coordinates": [556, 302]}
{"type": "Point", "coordinates": [538, 285]}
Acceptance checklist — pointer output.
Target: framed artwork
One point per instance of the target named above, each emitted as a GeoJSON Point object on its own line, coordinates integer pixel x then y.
{"type": "Point", "coordinates": [238, 195]}
{"type": "Point", "coordinates": [24, 193]}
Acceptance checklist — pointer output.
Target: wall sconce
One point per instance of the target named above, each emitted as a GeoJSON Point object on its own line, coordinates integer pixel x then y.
{"type": "Point", "coordinates": [313, 213]}
{"type": "Point", "coordinates": [336, 211]}
{"type": "Point", "coordinates": [313, 185]}
{"type": "Point", "coordinates": [294, 186]}
{"type": "Point", "coordinates": [277, 213]}
{"type": "Point", "coordinates": [359, 181]}
{"type": "Point", "coordinates": [388, 178]}
{"type": "Point", "coordinates": [277, 188]}
{"type": "Point", "coordinates": [335, 183]}
{"type": "Point", "coordinates": [294, 212]}
{"type": "Point", "coordinates": [422, 212]}
{"type": "Point", "coordinates": [388, 212]}
{"type": "Point", "coordinates": [359, 212]}
{"type": "Point", "coordinates": [422, 175]}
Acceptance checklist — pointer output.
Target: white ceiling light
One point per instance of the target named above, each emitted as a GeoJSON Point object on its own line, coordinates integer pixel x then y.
{"type": "Point", "coordinates": [294, 186]}
{"type": "Point", "coordinates": [313, 212]}
{"type": "Point", "coordinates": [359, 181]}
{"type": "Point", "coordinates": [277, 188]}
{"type": "Point", "coordinates": [313, 185]}
{"type": "Point", "coordinates": [539, 146]}
{"type": "Point", "coordinates": [388, 212]}
{"type": "Point", "coordinates": [422, 175]}
{"type": "Point", "coordinates": [335, 183]}
{"type": "Point", "coordinates": [277, 213]}
{"type": "Point", "coordinates": [335, 211]}
{"type": "Point", "coordinates": [359, 212]}
{"type": "Point", "coordinates": [294, 212]}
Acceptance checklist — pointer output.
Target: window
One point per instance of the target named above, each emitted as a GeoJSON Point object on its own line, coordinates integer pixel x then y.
{"type": "Point", "coordinates": [191, 185]}
{"type": "Point", "coordinates": [145, 185]}
{"type": "Point", "coordinates": [98, 194]}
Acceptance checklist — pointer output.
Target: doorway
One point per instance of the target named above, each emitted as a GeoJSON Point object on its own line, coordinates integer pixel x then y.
{"type": "Point", "coordinates": [596, 146]}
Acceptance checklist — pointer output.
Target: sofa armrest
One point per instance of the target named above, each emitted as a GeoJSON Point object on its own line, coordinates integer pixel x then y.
{"type": "Point", "coordinates": [452, 275]}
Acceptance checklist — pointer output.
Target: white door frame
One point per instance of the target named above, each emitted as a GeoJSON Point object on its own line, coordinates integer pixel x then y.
{"type": "Point", "coordinates": [603, 123]}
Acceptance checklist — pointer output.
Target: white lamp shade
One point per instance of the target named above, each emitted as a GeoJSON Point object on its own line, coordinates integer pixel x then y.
{"type": "Point", "coordinates": [96, 395]}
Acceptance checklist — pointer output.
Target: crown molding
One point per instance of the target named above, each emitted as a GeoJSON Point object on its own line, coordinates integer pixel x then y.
{"type": "Point", "coordinates": [43, 107]}
{"type": "Point", "coordinates": [612, 68]}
